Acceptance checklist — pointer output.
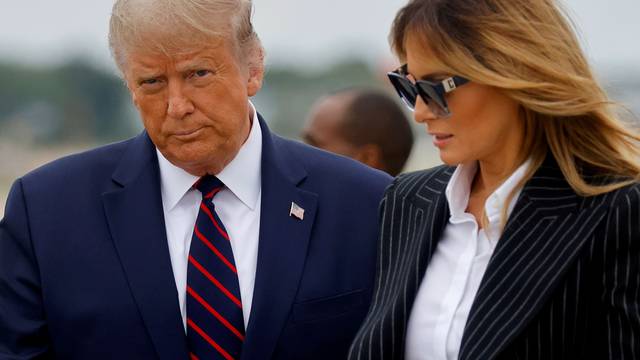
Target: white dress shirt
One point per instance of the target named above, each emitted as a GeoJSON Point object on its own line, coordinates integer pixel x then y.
{"type": "Point", "coordinates": [447, 291]}
{"type": "Point", "coordinates": [237, 205]}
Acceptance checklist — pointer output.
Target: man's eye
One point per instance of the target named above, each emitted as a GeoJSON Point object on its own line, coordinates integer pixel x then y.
{"type": "Point", "coordinates": [201, 73]}
{"type": "Point", "coordinates": [151, 81]}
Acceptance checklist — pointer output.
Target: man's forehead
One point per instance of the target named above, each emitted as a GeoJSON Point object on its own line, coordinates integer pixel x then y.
{"type": "Point", "coordinates": [153, 58]}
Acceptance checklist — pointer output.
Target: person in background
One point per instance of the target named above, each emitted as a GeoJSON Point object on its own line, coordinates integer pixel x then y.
{"type": "Point", "coordinates": [363, 124]}
{"type": "Point", "coordinates": [204, 237]}
{"type": "Point", "coordinates": [526, 243]}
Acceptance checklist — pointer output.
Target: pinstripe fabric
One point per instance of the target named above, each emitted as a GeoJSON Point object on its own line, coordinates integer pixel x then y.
{"type": "Point", "coordinates": [563, 282]}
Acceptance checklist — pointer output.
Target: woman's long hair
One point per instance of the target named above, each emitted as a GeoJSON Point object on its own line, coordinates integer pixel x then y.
{"type": "Point", "coordinates": [529, 50]}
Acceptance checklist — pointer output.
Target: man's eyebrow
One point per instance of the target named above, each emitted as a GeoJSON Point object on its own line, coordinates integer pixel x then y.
{"type": "Point", "coordinates": [142, 69]}
{"type": "Point", "coordinates": [143, 74]}
{"type": "Point", "coordinates": [195, 64]}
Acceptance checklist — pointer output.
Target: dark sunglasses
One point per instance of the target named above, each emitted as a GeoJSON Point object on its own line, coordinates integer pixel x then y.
{"type": "Point", "coordinates": [432, 93]}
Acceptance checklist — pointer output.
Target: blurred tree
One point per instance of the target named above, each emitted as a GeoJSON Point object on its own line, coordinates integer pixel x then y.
{"type": "Point", "coordinates": [78, 102]}
{"type": "Point", "coordinates": [288, 93]}
{"type": "Point", "coordinates": [72, 102]}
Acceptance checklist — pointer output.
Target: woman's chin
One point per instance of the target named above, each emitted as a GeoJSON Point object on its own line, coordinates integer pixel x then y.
{"type": "Point", "coordinates": [450, 159]}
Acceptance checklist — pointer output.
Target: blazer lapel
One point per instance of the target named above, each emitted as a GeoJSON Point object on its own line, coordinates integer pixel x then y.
{"type": "Point", "coordinates": [405, 254]}
{"type": "Point", "coordinates": [282, 249]}
{"type": "Point", "coordinates": [136, 221]}
{"type": "Point", "coordinates": [545, 232]}
{"type": "Point", "coordinates": [433, 200]}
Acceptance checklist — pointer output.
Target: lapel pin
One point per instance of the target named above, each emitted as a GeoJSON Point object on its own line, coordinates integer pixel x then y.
{"type": "Point", "coordinates": [296, 211]}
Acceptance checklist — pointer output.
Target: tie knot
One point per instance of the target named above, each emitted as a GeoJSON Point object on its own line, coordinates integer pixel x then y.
{"type": "Point", "coordinates": [209, 186]}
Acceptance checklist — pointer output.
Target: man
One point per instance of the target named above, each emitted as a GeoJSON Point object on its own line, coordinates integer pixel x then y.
{"type": "Point", "coordinates": [204, 237]}
{"type": "Point", "coordinates": [362, 124]}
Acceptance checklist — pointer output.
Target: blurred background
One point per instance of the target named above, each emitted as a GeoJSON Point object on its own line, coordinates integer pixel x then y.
{"type": "Point", "coordinates": [60, 92]}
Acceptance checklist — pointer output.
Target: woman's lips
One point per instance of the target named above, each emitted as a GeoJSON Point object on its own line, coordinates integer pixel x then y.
{"type": "Point", "coordinates": [440, 139]}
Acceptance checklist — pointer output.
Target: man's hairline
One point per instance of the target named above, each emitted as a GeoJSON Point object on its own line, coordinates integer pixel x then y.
{"type": "Point", "coordinates": [239, 51]}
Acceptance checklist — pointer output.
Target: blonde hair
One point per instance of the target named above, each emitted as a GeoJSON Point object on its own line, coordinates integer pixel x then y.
{"type": "Point", "coordinates": [175, 26]}
{"type": "Point", "coordinates": [528, 49]}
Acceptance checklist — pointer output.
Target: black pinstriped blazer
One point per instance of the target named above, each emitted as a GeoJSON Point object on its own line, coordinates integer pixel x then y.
{"type": "Point", "coordinates": [563, 281]}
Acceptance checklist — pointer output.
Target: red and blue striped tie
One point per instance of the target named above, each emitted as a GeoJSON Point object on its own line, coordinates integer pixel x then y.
{"type": "Point", "coordinates": [215, 325]}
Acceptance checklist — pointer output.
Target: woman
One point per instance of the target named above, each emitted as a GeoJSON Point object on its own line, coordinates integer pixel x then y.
{"type": "Point", "coordinates": [526, 244]}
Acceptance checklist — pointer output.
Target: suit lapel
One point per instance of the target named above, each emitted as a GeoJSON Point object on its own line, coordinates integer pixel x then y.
{"type": "Point", "coordinates": [136, 221]}
{"type": "Point", "coordinates": [433, 200]}
{"type": "Point", "coordinates": [545, 232]}
{"type": "Point", "coordinates": [404, 253]}
{"type": "Point", "coordinates": [282, 248]}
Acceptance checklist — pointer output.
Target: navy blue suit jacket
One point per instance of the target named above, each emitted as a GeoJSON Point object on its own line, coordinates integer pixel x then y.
{"type": "Point", "coordinates": [85, 270]}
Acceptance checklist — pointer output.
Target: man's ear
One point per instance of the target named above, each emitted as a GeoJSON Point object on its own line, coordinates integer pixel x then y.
{"type": "Point", "coordinates": [134, 98]}
{"type": "Point", "coordinates": [256, 73]}
{"type": "Point", "coordinates": [132, 93]}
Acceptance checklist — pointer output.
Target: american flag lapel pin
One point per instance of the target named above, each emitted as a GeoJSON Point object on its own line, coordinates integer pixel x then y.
{"type": "Point", "coordinates": [296, 211]}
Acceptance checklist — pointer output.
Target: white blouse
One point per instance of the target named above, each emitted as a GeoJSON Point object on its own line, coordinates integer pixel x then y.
{"type": "Point", "coordinates": [447, 291]}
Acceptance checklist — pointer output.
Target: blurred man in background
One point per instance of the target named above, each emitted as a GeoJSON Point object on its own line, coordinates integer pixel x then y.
{"type": "Point", "coordinates": [363, 124]}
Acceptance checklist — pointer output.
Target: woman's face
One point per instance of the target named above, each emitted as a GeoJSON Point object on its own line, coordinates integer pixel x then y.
{"type": "Point", "coordinates": [484, 125]}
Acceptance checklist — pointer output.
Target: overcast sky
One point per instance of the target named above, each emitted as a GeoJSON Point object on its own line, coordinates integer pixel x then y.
{"type": "Point", "coordinates": [293, 31]}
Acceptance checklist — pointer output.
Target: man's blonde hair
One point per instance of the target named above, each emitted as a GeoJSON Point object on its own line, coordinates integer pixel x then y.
{"type": "Point", "coordinates": [176, 26]}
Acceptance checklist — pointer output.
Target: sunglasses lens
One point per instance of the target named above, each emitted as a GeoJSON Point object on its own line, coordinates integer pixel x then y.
{"type": "Point", "coordinates": [437, 104]}
{"type": "Point", "coordinates": [409, 92]}
{"type": "Point", "coordinates": [405, 89]}
{"type": "Point", "coordinates": [438, 111]}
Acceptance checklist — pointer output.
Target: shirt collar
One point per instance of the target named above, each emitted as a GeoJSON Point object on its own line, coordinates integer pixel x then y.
{"type": "Point", "coordinates": [459, 188]}
{"type": "Point", "coordinates": [495, 201]}
{"type": "Point", "coordinates": [242, 176]}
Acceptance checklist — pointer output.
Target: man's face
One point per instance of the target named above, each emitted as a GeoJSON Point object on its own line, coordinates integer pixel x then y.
{"type": "Point", "coordinates": [194, 106]}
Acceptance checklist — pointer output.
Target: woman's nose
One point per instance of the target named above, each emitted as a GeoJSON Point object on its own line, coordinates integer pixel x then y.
{"type": "Point", "coordinates": [422, 112]}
